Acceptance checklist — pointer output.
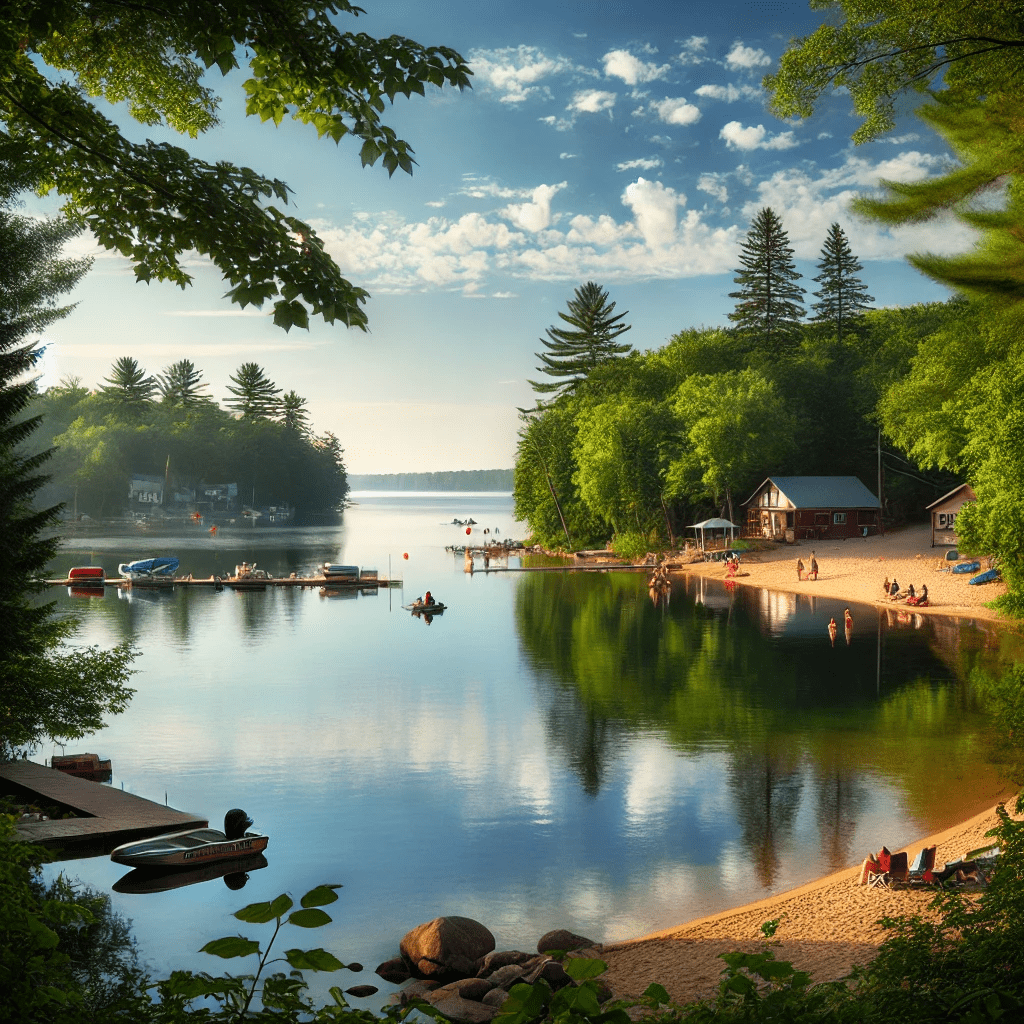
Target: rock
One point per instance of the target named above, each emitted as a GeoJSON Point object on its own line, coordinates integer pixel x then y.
{"type": "Point", "coordinates": [561, 939]}
{"type": "Point", "coordinates": [395, 970]}
{"type": "Point", "coordinates": [468, 988]}
{"type": "Point", "coordinates": [496, 997]}
{"type": "Point", "coordinates": [446, 948]}
{"type": "Point", "coordinates": [505, 977]}
{"type": "Point", "coordinates": [419, 990]}
{"type": "Point", "coordinates": [552, 972]}
{"type": "Point", "coordinates": [465, 1010]}
{"type": "Point", "coordinates": [361, 991]}
{"type": "Point", "coordinates": [501, 958]}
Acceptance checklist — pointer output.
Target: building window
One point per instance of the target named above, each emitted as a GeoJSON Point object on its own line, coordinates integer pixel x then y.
{"type": "Point", "coordinates": [821, 519]}
{"type": "Point", "coordinates": [764, 499]}
{"type": "Point", "coordinates": [775, 498]}
{"type": "Point", "coordinates": [839, 518]}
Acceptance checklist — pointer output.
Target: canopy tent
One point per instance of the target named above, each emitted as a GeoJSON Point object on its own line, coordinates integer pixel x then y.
{"type": "Point", "coordinates": [712, 524]}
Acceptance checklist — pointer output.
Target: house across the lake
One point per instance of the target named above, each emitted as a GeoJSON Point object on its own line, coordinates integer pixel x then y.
{"type": "Point", "coordinates": [812, 508]}
{"type": "Point", "coordinates": [943, 511]}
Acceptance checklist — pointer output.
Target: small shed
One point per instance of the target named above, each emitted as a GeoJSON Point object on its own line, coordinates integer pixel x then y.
{"type": "Point", "coordinates": [812, 508]}
{"type": "Point", "coordinates": [713, 525]}
{"type": "Point", "coordinates": [944, 511]}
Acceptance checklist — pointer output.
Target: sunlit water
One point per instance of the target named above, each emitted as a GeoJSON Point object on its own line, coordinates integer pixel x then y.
{"type": "Point", "coordinates": [554, 750]}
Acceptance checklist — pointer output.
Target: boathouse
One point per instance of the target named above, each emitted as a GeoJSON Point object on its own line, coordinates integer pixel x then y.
{"type": "Point", "coordinates": [811, 508]}
{"type": "Point", "coordinates": [944, 511]}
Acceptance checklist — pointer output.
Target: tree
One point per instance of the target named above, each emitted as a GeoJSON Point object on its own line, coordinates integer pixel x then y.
{"type": "Point", "coordinates": [842, 294]}
{"type": "Point", "coordinates": [47, 688]}
{"type": "Point", "coordinates": [884, 48]}
{"type": "Point", "coordinates": [255, 394]}
{"type": "Point", "coordinates": [181, 384]}
{"type": "Point", "coordinates": [128, 384]}
{"type": "Point", "coordinates": [573, 354]}
{"type": "Point", "coordinates": [152, 201]}
{"type": "Point", "coordinates": [293, 412]}
{"type": "Point", "coordinates": [769, 309]}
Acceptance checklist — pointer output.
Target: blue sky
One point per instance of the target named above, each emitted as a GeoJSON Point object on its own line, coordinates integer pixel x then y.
{"type": "Point", "coordinates": [624, 143]}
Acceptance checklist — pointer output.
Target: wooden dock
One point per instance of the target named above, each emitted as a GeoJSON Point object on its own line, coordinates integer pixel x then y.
{"type": "Point", "coordinates": [109, 817]}
{"type": "Point", "coordinates": [224, 581]}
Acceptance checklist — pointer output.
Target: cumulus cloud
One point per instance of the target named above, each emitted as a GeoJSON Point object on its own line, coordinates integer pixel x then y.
{"type": "Point", "coordinates": [534, 215]}
{"type": "Point", "coordinates": [515, 72]}
{"type": "Point", "coordinates": [676, 111]}
{"type": "Point", "coordinates": [641, 164]}
{"type": "Point", "coordinates": [622, 64]}
{"type": "Point", "coordinates": [568, 156]}
{"type": "Point", "coordinates": [714, 186]}
{"type": "Point", "coordinates": [755, 137]}
{"type": "Point", "coordinates": [592, 101]}
{"type": "Point", "coordinates": [730, 93]}
{"type": "Point", "coordinates": [747, 57]}
{"type": "Point", "coordinates": [693, 50]}
{"type": "Point", "coordinates": [654, 207]}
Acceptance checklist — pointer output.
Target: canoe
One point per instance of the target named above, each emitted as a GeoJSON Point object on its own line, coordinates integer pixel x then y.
{"type": "Point", "coordinates": [142, 880]}
{"type": "Point", "coordinates": [965, 567]}
{"type": "Point", "coordinates": [188, 849]}
{"type": "Point", "coordinates": [425, 609]}
{"type": "Point", "coordinates": [988, 576]}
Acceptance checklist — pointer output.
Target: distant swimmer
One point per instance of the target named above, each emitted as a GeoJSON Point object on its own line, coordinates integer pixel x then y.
{"type": "Point", "coordinates": [832, 630]}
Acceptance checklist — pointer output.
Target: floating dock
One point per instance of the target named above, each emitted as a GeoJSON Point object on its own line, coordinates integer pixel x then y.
{"type": "Point", "coordinates": [226, 581]}
{"type": "Point", "coordinates": [108, 817]}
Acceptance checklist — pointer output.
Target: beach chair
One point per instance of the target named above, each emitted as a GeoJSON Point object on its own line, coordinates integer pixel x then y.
{"type": "Point", "coordinates": [898, 871]}
{"type": "Point", "coordinates": [876, 876]}
{"type": "Point", "coordinates": [923, 867]}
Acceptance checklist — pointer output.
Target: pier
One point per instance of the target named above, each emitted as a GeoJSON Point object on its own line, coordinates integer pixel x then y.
{"type": "Point", "coordinates": [365, 583]}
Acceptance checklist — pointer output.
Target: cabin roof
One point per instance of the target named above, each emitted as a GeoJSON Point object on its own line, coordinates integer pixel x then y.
{"type": "Point", "coordinates": [938, 501]}
{"type": "Point", "coordinates": [821, 491]}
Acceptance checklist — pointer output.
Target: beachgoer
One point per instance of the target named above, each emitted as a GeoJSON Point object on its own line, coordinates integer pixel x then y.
{"type": "Point", "coordinates": [832, 629]}
{"type": "Point", "coordinates": [910, 591]}
{"type": "Point", "coordinates": [924, 593]}
{"type": "Point", "coordinates": [894, 588]}
{"type": "Point", "coordinates": [885, 589]}
{"type": "Point", "coordinates": [849, 619]}
{"type": "Point", "coordinates": [814, 567]}
{"type": "Point", "coordinates": [799, 568]}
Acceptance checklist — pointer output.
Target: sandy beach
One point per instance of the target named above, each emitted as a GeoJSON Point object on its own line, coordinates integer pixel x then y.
{"type": "Point", "coordinates": [828, 925]}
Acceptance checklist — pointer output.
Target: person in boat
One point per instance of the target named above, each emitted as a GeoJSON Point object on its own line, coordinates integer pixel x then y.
{"type": "Point", "coordinates": [418, 603]}
{"type": "Point", "coordinates": [428, 599]}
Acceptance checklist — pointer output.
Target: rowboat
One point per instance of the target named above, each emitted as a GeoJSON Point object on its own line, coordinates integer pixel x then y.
{"type": "Point", "coordinates": [965, 567]}
{"type": "Point", "coordinates": [188, 849]}
{"type": "Point", "coordinates": [988, 576]}
{"type": "Point", "coordinates": [141, 880]}
{"type": "Point", "coordinates": [425, 609]}
{"type": "Point", "coordinates": [87, 576]}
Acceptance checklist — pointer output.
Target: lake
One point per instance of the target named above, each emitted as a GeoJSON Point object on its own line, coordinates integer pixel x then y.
{"type": "Point", "coordinates": [554, 751]}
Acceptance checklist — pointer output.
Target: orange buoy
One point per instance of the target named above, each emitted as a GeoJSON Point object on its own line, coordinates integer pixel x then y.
{"type": "Point", "coordinates": [469, 530]}
{"type": "Point", "coordinates": [405, 555]}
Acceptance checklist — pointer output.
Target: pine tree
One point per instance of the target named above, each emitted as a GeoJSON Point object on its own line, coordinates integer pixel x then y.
{"type": "Point", "coordinates": [769, 309]}
{"type": "Point", "coordinates": [573, 354]}
{"type": "Point", "coordinates": [843, 295]}
{"type": "Point", "coordinates": [128, 384]}
{"type": "Point", "coordinates": [181, 384]}
{"type": "Point", "coordinates": [255, 394]}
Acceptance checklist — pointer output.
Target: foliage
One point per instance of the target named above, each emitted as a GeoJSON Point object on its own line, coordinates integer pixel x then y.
{"type": "Point", "coordinates": [843, 295]}
{"type": "Point", "coordinates": [153, 202]}
{"type": "Point", "coordinates": [293, 412]}
{"type": "Point", "coordinates": [574, 354]}
{"type": "Point", "coordinates": [879, 49]}
{"type": "Point", "coordinates": [768, 310]}
{"type": "Point", "coordinates": [255, 395]}
{"type": "Point", "coordinates": [128, 385]}
{"type": "Point", "coordinates": [182, 384]}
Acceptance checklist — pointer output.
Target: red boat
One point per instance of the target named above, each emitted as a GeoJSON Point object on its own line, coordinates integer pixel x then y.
{"type": "Point", "coordinates": [87, 576]}
{"type": "Point", "coordinates": [82, 766]}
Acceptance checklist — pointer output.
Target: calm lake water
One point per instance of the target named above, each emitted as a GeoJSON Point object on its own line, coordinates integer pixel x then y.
{"type": "Point", "coordinates": [552, 751]}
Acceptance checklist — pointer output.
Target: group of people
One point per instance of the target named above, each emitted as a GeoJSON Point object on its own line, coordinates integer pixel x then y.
{"type": "Point", "coordinates": [811, 572]}
{"type": "Point", "coordinates": [912, 596]}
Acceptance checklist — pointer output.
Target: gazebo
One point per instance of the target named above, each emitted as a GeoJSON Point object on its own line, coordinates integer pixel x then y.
{"type": "Point", "coordinates": [712, 524]}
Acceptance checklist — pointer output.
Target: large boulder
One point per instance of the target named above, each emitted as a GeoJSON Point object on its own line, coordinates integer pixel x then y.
{"type": "Point", "coordinates": [446, 948]}
{"type": "Point", "coordinates": [552, 972]}
{"type": "Point", "coordinates": [466, 1011]}
{"type": "Point", "coordinates": [468, 988]}
{"type": "Point", "coordinates": [562, 939]}
{"type": "Point", "coordinates": [502, 958]}
{"type": "Point", "coordinates": [507, 976]}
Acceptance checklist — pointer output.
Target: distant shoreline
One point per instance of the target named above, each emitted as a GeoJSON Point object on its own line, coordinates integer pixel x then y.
{"type": "Point", "coordinates": [453, 480]}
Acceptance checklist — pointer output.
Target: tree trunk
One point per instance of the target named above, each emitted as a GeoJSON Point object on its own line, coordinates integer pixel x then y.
{"type": "Point", "coordinates": [558, 507]}
{"type": "Point", "coordinates": [668, 524]}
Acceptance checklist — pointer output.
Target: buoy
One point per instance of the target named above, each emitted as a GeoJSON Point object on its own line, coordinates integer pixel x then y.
{"type": "Point", "coordinates": [469, 530]}
{"type": "Point", "coordinates": [213, 530]}
{"type": "Point", "coordinates": [405, 555]}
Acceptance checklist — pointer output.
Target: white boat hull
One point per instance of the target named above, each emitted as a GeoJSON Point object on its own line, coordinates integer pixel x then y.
{"type": "Point", "coordinates": [188, 849]}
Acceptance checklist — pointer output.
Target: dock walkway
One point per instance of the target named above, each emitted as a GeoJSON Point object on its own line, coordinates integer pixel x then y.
{"type": "Point", "coordinates": [110, 816]}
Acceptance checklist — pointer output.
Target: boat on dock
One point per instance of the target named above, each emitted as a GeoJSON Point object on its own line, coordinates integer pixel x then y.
{"type": "Point", "coordinates": [248, 577]}
{"type": "Point", "coordinates": [87, 576]}
{"type": "Point", "coordinates": [195, 847]}
{"type": "Point", "coordinates": [158, 571]}
{"type": "Point", "coordinates": [82, 766]}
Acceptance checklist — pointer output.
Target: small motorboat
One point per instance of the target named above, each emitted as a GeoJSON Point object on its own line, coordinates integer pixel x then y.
{"type": "Point", "coordinates": [195, 847]}
{"type": "Point", "coordinates": [248, 577]}
{"type": "Point", "coordinates": [965, 567]}
{"type": "Point", "coordinates": [87, 576]}
{"type": "Point", "coordinates": [83, 766]}
{"type": "Point", "coordinates": [425, 609]}
{"type": "Point", "coordinates": [149, 569]}
{"type": "Point", "coordinates": [988, 576]}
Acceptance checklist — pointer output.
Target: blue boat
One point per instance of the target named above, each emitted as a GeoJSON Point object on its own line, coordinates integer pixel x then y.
{"type": "Point", "coordinates": [965, 567]}
{"type": "Point", "coordinates": [149, 569]}
{"type": "Point", "coordinates": [988, 576]}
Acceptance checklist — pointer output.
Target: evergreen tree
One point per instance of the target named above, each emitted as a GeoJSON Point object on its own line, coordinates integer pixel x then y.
{"type": "Point", "coordinates": [255, 395]}
{"type": "Point", "coordinates": [181, 384]}
{"type": "Point", "coordinates": [843, 295]}
{"type": "Point", "coordinates": [572, 354]}
{"type": "Point", "coordinates": [769, 309]}
{"type": "Point", "coordinates": [128, 384]}
{"type": "Point", "coordinates": [293, 412]}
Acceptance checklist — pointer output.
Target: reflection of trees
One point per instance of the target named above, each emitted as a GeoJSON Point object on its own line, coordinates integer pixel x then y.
{"type": "Point", "coordinates": [840, 799]}
{"type": "Point", "coordinates": [766, 785]}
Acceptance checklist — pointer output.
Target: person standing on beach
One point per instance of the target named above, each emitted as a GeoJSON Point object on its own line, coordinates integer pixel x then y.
{"type": "Point", "coordinates": [814, 567]}
{"type": "Point", "coordinates": [799, 568]}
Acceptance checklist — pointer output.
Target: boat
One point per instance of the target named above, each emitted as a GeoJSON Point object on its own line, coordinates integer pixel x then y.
{"type": "Point", "coordinates": [87, 576]}
{"type": "Point", "coordinates": [988, 576]}
{"type": "Point", "coordinates": [965, 567]}
{"type": "Point", "coordinates": [248, 577]}
{"type": "Point", "coordinates": [149, 569]}
{"type": "Point", "coordinates": [235, 871]}
{"type": "Point", "coordinates": [425, 609]}
{"type": "Point", "coordinates": [335, 573]}
{"type": "Point", "coordinates": [82, 766]}
{"type": "Point", "coordinates": [195, 847]}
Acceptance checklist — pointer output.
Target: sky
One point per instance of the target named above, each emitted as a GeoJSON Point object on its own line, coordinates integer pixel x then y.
{"type": "Point", "coordinates": [626, 143]}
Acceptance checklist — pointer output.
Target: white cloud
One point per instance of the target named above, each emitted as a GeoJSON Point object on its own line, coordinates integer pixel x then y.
{"type": "Point", "coordinates": [654, 207]}
{"type": "Point", "coordinates": [900, 140]}
{"type": "Point", "coordinates": [640, 164]}
{"type": "Point", "coordinates": [568, 156]}
{"type": "Point", "coordinates": [248, 311]}
{"type": "Point", "coordinates": [438, 203]}
{"type": "Point", "coordinates": [676, 111]}
{"type": "Point", "coordinates": [693, 49]}
{"type": "Point", "coordinates": [713, 185]}
{"type": "Point", "coordinates": [824, 135]}
{"type": "Point", "coordinates": [516, 71]}
{"type": "Point", "coordinates": [622, 64]}
{"type": "Point", "coordinates": [534, 215]}
{"type": "Point", "coordinates": [592, 101]}
{"type": "Point", "coordinates": [730, 93]}
{"type": "Point", "coordinates": [741, 56]}
{"type": "Point", "coordinates": [738, 137]}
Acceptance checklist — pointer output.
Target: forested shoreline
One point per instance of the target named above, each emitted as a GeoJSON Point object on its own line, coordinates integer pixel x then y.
{"type": "Point", "coordinates": [452, 480]}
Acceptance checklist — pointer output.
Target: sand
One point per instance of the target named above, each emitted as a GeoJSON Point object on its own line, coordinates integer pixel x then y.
{"type": "Point", "coordinates": [830, 924]}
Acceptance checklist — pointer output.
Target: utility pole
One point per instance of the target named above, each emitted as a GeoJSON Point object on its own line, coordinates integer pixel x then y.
{"type": "Point", "coordinates": [881, 526]}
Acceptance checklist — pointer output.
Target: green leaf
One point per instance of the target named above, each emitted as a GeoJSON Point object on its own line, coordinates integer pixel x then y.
{"type": "Point", "coordinates": [313, 960]}
{"type": "Point", "coordinates": [281, 905]}
{"type": "Point", "coordinates": [580, 968]}
{"type": "Point", "coordinates": [231, 946]}
{"type": "Point", "coordinates": [311, 918]}
{"type": "Point", "coordinates": [256, 913]}
{"type": "Point", "coordinates": [657, 993]}
{"type": "Point", "coordinates": [321, 896]}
